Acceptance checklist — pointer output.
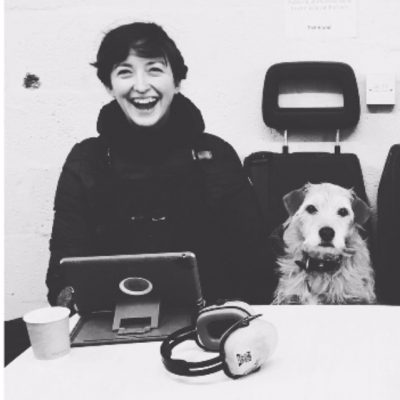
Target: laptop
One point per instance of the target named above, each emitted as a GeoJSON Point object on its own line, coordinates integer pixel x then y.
{"type": "Point", "coordinates": [133, 298]}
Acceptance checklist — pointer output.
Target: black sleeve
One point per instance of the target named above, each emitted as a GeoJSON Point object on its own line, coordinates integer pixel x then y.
{"type": "Point", "coordinates": [251, 266]}
{"type": "Point", "coordinates": [70, 233]}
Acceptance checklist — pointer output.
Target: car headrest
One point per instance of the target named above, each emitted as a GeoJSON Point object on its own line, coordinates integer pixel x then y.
{"type": "Point", "coordinates": [339, 75]}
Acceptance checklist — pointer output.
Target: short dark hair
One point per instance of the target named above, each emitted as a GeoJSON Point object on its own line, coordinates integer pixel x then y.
{"type": "Point", "coordinates": [147, 40]}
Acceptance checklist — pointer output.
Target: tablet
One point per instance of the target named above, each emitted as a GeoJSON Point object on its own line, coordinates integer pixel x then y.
{"type": "Point", "coordinates": [111, 290]}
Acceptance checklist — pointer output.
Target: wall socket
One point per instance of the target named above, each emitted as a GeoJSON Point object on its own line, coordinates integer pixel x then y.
{"type": "Point", "coordinates": [381, 89]}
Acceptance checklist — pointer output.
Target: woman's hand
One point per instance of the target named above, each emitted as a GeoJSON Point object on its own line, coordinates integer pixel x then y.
{"type": "Point", "coordinates": [65, 297]}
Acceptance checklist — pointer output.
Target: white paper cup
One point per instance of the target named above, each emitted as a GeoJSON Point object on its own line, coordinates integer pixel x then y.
{"type": "Point", "coordinates": [48, 330]}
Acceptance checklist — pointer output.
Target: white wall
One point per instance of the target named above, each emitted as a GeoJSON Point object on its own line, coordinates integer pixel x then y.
{"type": "Point", "coordinates": [228, 45]}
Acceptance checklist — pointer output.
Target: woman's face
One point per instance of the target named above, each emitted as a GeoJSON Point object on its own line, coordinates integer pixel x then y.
{"type": "Point", "coordinates": [144, 89]}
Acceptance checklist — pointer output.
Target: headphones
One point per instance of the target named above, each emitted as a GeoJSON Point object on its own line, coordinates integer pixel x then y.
{"type": "Point", "coordinates": [244, 341]}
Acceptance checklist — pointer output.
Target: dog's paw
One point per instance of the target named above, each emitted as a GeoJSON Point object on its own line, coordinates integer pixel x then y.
{"type": "Point", "coordinates": [287, 300]}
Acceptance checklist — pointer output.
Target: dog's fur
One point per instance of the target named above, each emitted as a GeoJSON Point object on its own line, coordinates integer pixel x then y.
{"type": "Point", "coordinates": [352, 281]}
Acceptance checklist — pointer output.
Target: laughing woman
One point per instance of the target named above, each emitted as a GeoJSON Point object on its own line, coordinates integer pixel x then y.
{"type": "Point", "coordinates": [152, 180]}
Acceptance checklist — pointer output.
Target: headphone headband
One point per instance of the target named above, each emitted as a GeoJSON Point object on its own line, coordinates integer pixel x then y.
{"type": "Point", "coordinates": [182, 367]}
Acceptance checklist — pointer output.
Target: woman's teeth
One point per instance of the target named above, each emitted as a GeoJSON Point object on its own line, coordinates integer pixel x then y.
{"type": "Point", "coordinates": [144, 103]}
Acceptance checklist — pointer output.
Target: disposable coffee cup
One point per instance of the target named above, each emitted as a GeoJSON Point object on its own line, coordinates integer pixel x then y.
{"type": "Point", "coordinates": [48, 330]}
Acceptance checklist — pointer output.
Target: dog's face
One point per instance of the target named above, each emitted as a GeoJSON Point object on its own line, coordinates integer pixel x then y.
{"type": "Point", "coordinates": [324, 216]}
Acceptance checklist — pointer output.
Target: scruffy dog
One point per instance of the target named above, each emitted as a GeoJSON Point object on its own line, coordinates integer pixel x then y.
{"type": "Point", "coordinates": [326, 260]}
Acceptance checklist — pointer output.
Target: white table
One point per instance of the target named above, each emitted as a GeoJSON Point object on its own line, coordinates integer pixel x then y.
{"type": "Point", "coordinates": [324, 352]}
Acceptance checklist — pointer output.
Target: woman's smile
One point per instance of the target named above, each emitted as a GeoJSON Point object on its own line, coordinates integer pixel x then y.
{"type": "Point", "coordinates": [144, 103]}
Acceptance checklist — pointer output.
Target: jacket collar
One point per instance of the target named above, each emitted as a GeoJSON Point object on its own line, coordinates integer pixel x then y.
{"type": "Point", "coordinates": [184, 116]}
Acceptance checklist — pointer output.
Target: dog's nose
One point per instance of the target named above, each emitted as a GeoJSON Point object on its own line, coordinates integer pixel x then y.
{"type": "Point", "coordinates": [326, 233]}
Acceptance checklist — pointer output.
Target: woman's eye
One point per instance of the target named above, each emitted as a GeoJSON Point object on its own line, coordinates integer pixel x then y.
{"type": "Point", "coordinates": [311, 209]}
{"type": "Point", "coordinates": [343, 212]}
{"type": "Point", "coordinates": [156, 70]}
{"type": "Point", "coordinates": [123, 72]}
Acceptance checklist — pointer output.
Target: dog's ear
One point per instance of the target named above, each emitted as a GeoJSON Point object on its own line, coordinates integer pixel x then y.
{"type": "Point", "coordinates": [293, 200]}
{"type": "Point", "coordinates": [361, 210]}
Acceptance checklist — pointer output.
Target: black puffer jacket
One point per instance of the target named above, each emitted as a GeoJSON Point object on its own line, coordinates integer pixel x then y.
{"type": "Point", "coordinates": [174, 189]}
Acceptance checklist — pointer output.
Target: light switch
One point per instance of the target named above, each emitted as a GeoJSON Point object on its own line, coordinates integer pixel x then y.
{"type": "Point", "coordinates": [381, 89]}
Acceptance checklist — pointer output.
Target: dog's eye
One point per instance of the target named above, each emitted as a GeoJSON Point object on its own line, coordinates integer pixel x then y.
{"type": "Point", "coordinates": [343, 212]}
{"type": "Point", "coordinates": [311, 209]}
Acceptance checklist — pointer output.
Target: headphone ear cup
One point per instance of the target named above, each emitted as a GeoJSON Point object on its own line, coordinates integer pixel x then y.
{"type": "Point", "coordinates": [214, 321]}
{"type": "Point", "coordinates": [246, 348]}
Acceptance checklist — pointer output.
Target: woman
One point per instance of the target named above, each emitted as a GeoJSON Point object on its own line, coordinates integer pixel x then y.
{"type": "Point", "coordinates": [153, 181]}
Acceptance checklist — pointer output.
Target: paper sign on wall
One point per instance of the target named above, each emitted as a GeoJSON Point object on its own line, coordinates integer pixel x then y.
{"type": "Point", "coordinates": [321, 18]}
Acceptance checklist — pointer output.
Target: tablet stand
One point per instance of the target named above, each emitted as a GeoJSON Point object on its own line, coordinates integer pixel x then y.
{"type": "Point", "coordinates": [136, 315]}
